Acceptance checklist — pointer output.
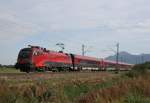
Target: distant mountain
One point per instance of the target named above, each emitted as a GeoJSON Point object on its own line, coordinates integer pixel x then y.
{"type": "Point", "coordinates": [130, 58]}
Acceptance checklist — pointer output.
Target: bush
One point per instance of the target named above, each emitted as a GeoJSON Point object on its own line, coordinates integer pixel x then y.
{"type": "Point", "coordinates": [132, 98]}
{"type": "Point", "coordinates": [73, 91]}
{"type": "Point", "coordinates": [139, 69]}
{"type": "Point", "coordinates": [142, 66]}
{"type": "Point", "coordinates": [36, 93]}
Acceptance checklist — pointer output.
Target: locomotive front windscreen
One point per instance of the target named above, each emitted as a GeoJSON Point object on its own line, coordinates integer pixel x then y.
{"type": "Point", "coordinates": [25, 53]}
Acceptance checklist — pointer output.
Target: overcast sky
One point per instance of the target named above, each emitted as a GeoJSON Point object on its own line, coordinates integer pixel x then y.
{"type": "Point", "coordinates": [99, 24]}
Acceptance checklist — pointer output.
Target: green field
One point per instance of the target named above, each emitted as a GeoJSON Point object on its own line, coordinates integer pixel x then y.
{"type": "Point", "coordinates": [101, 87]}
{"type": "Point", "coordinates": [8, 70]}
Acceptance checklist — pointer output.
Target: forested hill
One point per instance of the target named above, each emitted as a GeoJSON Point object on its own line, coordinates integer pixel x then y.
{"type": "Point", "coordinates": [130, 58]}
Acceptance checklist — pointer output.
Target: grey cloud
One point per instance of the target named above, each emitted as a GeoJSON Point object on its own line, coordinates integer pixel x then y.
{"type": "Point", "coordinates": [67, 14]}
{"type": "Point", "coordinates": [96, 22]}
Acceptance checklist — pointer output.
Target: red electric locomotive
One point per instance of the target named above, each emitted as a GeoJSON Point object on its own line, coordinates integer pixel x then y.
{"type": "Point", "coordinates": [35, 58]}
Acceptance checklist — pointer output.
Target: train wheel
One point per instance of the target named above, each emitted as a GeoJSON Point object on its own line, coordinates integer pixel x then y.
{"type": "Point", "coordinates": [27, 71]}
{"type": "Point", "coordinates": [44, 69]}
{"type": "Point", "coordinates": [32, 69]}
{"type": "Point", "coordinates": [79, 68]}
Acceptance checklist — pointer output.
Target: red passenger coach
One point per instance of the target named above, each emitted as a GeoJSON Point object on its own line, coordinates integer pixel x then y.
{"type": "Point", "coordinates": [107, 64]}
{"type": "Point", "coordinates": [86, 62]}
{"type": "Point", "coordinates": [35, 58]}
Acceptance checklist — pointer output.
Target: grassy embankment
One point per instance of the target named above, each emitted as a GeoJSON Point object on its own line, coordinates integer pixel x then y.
{"type": "Point", "coordinates": [55, 90]}
{"type": "Point", "coordinates": [132, 87]}
{"type": "Point", "coordinates": [8, 70]}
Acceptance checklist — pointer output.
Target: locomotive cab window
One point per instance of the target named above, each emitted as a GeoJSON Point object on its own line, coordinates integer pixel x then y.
{"type": "Point", "coordinates": [25, 53]}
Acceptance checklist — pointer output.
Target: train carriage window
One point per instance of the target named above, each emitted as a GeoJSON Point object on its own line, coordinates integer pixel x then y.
{"type": "Point", "coordinates": [88, 62]}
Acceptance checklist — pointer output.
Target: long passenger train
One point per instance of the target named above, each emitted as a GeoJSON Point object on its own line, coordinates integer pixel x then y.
{"type": "Point", "coordinates": [35, 58]}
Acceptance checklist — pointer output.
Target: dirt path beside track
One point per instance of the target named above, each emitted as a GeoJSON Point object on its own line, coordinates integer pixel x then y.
{"type": "Point", "coordinates": [52, 75]}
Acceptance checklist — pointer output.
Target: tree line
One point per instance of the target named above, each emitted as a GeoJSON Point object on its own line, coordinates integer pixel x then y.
{"type": "Point", "coordinates": [6, 66]}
